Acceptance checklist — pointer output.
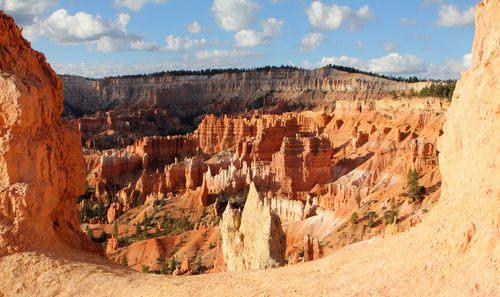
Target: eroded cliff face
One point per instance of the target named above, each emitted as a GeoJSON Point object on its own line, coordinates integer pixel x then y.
{"type": "Point", "coordinates": [41, 168]}
{"type": "Point", "coordinates": [196, 91]}
{"type": "Point", "coordinates": [121, 110]}
{"type": "Point", "coordinates": [470, 146]}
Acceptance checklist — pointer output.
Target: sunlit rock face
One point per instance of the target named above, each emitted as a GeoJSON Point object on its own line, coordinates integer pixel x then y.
{"type": "Point", "coordinates": [41, 166]}
{"type": "Point", "coordinates": [252, 239]}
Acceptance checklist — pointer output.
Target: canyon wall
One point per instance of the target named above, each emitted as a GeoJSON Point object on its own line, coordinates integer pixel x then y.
{"type": "Point", "coordinates": [220, 91]}
{"type": "Point", "coordinates": [114, 112]}
{"type": "Point", "coordinates": [41, 167]}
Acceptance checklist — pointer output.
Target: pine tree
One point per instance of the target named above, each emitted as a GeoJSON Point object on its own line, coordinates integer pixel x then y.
{"type": "Point", "coordinates": [138, 230]}
{"type": "Point", "coordinates": [145, 222]}
{"type": "Point", "coordinates": [354, 218]}
{"type": "Point", "coordinates": [164, 267]}
{"type": "Point", "coordinates": [413, 185]}
{"type": "Point", "coordinates": [115, 229]}
{"type": "Point", "coordinates": [124, 260]}
{"type": "Point", "coordinates": [173, 264]}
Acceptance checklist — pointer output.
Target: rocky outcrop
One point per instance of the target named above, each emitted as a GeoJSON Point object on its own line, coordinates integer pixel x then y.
{"type": "Point", "coordinates": [41, 167]}
{"type": "Point", "coordinates": [312, 248]}
{"type": "Point", "coordinates": [301, 163]}
{"type": "Point", "coordinates": [252, 239]}
{"type": "Point", "coordinates": [112, 245]}
{"type": "Point", "coordinates": [470, 145]}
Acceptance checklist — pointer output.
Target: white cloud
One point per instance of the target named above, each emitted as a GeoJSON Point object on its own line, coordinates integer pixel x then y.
{"type": "Point", "coordinates": [83, 28]}
{"type": "Point", "coordinates": [180, 44]}
{"type": "Point", "coordinates": [389, 47]}
{"type": "Point", "coordinates": [270, 28]}
{"type": "Point", "coordinates": [449, 16]}
{"type": "Point", "coordinates": [397, 64]}
{"type": "Point", "coordinates": [195, 28]}
{"type": "Point", "coordinates": [234, 15]}
{"type": "Point", "coordinates": [218, 59]}
{"type": "Point", "coordinates": [135, 4]}
{"type": "Point", "coordinates": [25, 12]}
{"type": "Point", "coordinates": [408, 22]}
{"type": "Point", "coordinates": [360, 45]}
{"type": "Point", "coordinates": [174, 44]}
{"type": "Point", "coordinates": [142, 45]}
{"type": "Point", "coordinates": [310, 42]}
{"type": "Point", "coordinates": [223, 54]}
{"type": "Point", "coordinates": [106, 68]}
{"type": "Point", "coordinates": [451, 68]}
{"type": "Point", "coordinates": [328, 18]}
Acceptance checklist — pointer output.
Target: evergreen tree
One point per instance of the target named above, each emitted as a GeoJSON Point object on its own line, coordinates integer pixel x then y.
{"type": "Point", "coordinates": [145, 222]}
{"type": "Point", "coordinates": [138, 230]}
{"type": "Point", "coordinates": [101, 211]}
{"type": "Point", "coordinates": [354, 218]}
{"type": "Point", "coordinates": [164, 267]}
{"type": "Point", "coordinates": [173, 264]}
{"type": "Point", "coordinates": [115, 229]}
{"type": "Point", "coordinates": [124, 260]}
{"type": "Point", "coordinates": [413, 185]}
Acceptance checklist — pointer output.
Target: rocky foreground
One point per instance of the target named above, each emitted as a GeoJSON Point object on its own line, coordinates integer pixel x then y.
{"type": "Point", "coordinates": [454, 251]}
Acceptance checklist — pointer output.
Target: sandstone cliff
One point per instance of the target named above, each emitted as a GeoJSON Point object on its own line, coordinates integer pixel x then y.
{"type": "Point", "coordinates": [252, 239]}
{"type": "Point", "coordinates": [41, 167]}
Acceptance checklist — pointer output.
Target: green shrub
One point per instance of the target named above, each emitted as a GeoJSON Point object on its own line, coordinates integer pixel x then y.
{"type": "Point", "coordinates": [354, 218]}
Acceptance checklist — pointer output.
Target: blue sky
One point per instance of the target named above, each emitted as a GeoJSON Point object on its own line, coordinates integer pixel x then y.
{"type": "Point", "coordinates": [427, 38]}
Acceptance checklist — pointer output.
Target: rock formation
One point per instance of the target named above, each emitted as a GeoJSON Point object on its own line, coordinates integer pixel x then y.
{"type": "Point", "coordinates": [253, 239]}
{"type": "Point", "coordinates": [454, 251]}
{"type": "Point", "coordinates": [190, 94]}
{"type": "Point", "coordinates": [41, 167]}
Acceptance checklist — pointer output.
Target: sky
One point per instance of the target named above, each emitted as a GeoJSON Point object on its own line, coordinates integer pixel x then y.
{"type": "Point", "coordinates": [425, 38]}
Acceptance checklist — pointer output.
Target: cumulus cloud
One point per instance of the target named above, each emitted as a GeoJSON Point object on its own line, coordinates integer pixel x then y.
{"type": "Point", "coordinates": [25, 12]}
{"type": "Point", "coordinates": [449, 69]}
{"type": "Point", "coordinates": [234, 15]}
{"type": "Point", "coordinates": [397, 64]}
{"type": "Point", "coordinates": [408, 22]}
{"type": "Point", "coordinates": [270, 28]}
{"type": "Point", "coordinates": [174, 44]}
{"type": "Point", "coordinates": [195, 28]}
{"type": "Point", "coordinates": [389, 47]}
{"type": "Point", "coordinates": [180, 44]}
{"type": "Point", "coordinates": [142, 45]}
{"type": "Point", "coordinates": [310, 42]}
{"type": "Point", "coordinates": [135, 4]}
{"type": "Point", "coordinates": [330, 17]}
{"type": "Point", "coordinates": [449, 16]}
{"type": "Point", "coordinates": [83, 28]}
